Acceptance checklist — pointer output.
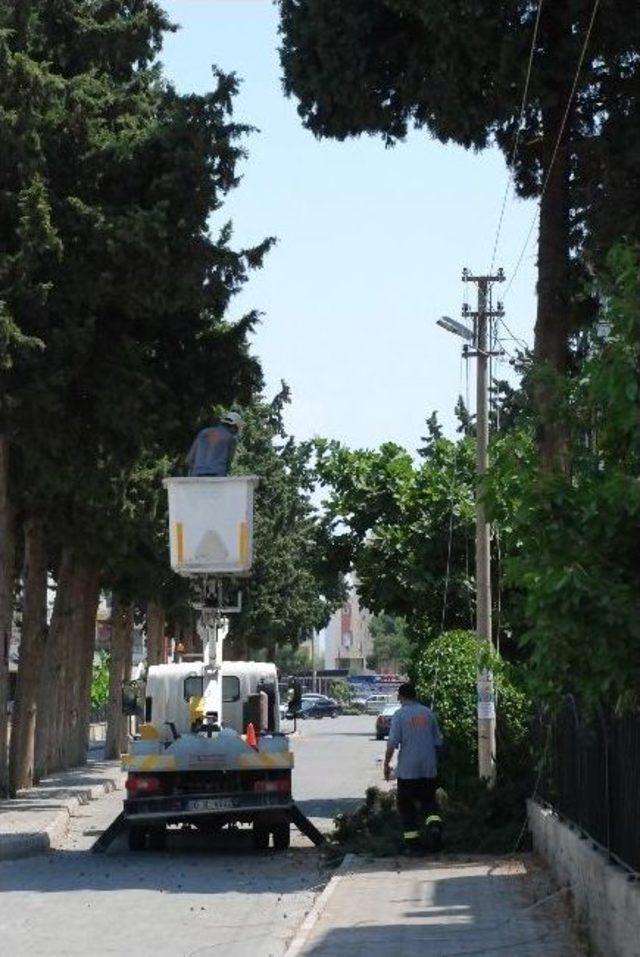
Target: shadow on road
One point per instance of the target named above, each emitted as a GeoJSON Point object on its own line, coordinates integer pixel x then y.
{"type": "Point", "coordinates": [329, 807]}
{"type": "Point", "coordinates": [191, 864]}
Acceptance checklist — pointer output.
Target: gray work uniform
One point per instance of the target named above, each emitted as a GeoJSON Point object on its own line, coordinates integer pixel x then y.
{"type": "Point", "coordinates": [414, 729]}
{"type": "Point", "coordinates": [212, 451]}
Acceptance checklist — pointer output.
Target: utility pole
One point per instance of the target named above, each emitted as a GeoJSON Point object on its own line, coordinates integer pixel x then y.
{"type": "Point", "coordinates": [482, 350]}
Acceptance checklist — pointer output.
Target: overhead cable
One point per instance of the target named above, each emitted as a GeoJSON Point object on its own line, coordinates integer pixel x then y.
{"type": "Point", "coordinates": [516, 140]}
{"type": "Point", "coordinates": [557, 145]}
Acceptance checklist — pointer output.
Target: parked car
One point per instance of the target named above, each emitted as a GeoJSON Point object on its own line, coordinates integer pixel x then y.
{"type": "Point", "coordinates": [383, 721]}
{"type": "Point", "coordinates": [312, 696]}
{"type": "Point", "coordinates": [316, 709]}
{"type": "Point", "coordinates": [376, 703]}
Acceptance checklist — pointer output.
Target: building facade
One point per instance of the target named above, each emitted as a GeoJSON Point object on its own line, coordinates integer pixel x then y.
{"type": "Point", "coordinates": [347, 640]}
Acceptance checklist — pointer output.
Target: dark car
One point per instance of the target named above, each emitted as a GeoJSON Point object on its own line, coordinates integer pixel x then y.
{"type": "Point", "coordinates": [317, 708]}
{"type": "Point", "coordinates": [383, 721]}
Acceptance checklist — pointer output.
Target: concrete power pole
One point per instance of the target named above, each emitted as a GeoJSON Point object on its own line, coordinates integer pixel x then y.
{"type": "Point", "coordinates": [486, 694]}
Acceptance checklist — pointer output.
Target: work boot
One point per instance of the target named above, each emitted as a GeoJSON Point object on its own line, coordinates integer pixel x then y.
{"type": "Point", "coordinates": [432, 834]}
{"type": "Point", "coordinates": [412, 844]}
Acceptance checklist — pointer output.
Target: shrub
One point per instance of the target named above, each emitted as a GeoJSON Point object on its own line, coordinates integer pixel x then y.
{"type": "Point", "coordinates": [446, 676]}
{"type": "Point", "coordinates": [100, 681]}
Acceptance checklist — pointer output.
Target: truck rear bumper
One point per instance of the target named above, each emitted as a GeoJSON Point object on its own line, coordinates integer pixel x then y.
{"type": "Point", "coordinates": [194, 807]}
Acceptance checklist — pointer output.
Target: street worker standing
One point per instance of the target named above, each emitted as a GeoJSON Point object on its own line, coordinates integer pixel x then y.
{"type": "Point", "coordinates": [213, 448]}
{"type": "Point", "coordinates": [414, 730]}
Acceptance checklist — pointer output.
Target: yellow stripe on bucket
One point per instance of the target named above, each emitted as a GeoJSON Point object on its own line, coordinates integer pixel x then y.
{"type": "Point", "coordinates": [180, 542]}
{"type": "Point", "coordinates": [243, 542]}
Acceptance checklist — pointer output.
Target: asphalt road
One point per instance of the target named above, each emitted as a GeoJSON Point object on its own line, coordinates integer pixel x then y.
{"type": "Point", "coordinates": [194, 899]}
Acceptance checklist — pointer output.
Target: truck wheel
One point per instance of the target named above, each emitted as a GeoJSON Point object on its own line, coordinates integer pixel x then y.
{"type": "Point", "coordinates": [136, 838]}
{"type": "Point", "coordinates": [281, 836]}
{"type": "Point", "coordinates": [157, 838]}
{"type": "Point", "coordinates": [260, 837]}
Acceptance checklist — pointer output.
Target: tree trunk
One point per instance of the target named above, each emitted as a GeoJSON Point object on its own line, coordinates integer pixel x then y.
{"type": "Point", "coordinates": [7, 559]}
{"type": "Point", "coordinates": [119, 671]}
{"type": "Point", "coordinates": [155, 633]}
{"type": "Point", "coordinates": [552, 329]}
{"type": "Point", "coordinates": [89, 596]}
{"type": "Point", "coordinates": [79, 642]}
{"type": "Point", "coordinates": [49, 728]}
{"type": "Point", "coordinates": [61, 738]}
{"type": "Point", "coordinates": [32, 644]}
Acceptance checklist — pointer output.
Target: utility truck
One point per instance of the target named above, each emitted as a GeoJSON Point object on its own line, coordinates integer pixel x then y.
{"type": "Point", "coordinates": [209, 751]}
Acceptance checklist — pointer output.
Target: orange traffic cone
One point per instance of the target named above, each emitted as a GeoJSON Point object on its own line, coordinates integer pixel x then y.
{"type": "Point", "coordinates": [250, 736]}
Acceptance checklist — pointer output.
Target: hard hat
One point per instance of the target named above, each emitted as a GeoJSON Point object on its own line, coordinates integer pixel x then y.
{"type": "Point", "coordinates": [232, 419]}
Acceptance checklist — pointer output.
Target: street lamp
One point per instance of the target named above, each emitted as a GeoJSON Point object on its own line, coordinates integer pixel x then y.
{"type": "Point", "coordinates": [457, 328]}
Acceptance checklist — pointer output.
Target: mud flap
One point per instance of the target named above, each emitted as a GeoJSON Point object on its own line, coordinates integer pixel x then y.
{"type": "Point", "coordinates": [107, 837]}
{"type": "Point", "coordinates": [305, 826]}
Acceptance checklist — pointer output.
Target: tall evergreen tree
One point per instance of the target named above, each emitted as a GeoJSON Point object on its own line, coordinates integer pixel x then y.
{"type": "Point", "coordinates": [109, 264]}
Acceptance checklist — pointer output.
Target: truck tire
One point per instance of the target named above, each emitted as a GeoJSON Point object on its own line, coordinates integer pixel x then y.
{"type": "Point", "coordinates": [260, 837]}
{"type": "Point", "coordinates": [157, 838]}
{"type": "Point", "coordinates": [281, 836]}
{"type": "Point", "coordinates": [137, 838]}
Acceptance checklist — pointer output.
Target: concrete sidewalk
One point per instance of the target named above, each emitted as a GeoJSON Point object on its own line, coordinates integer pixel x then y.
{"type": "Point", "coordinates": [38, 819]}
{"type": "Point", "coordinates": [445, 908]}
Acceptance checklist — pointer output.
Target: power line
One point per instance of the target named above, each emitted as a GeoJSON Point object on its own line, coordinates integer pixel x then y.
{"type": "Point", "coordinates": [557, 144]}
{"type": "Point", "coordinates": [515, 338]}
{"type": "Point", "coordinates": [516, 141]}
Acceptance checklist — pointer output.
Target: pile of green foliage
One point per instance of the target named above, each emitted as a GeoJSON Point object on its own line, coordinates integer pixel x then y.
{"type": "Point", "coordinates": [479, 820]}
{"type": "Point", "coordinates": [445, 675]}
{"type": "Point", "coordinates": [375, 828]}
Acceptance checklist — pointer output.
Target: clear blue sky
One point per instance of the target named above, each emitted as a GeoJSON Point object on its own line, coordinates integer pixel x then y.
{"type": "Point", "coordinates": [371, 244]}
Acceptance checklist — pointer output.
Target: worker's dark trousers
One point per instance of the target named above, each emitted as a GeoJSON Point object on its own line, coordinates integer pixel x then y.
{"type": "Point", "coordinates": [416, 800]}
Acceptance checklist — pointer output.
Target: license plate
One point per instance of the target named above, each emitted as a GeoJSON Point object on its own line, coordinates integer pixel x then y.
{"type": "Point", "coordinates": [209, 804]}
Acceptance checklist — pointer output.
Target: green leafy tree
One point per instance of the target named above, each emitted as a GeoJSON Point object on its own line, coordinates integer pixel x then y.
{"type": "Point", "coordinates": [458, 70]}
{"type": "Point", "coordinates": [575, 538]}
{"type": "Point", "coordinates": [290, 660]}
{"type": "Point", "coordinates": [390, 642]}
{"type": "Point", "coordinates": [296, 580]}
{"type": "Point", "coordinates": [406, 528]}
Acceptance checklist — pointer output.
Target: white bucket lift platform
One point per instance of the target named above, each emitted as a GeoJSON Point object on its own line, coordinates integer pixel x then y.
{"type": "Point", "coordinates": [211, 525]}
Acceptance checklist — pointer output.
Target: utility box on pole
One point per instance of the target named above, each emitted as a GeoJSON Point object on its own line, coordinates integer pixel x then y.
{"type": "Point", "coordinates": [211, 525]}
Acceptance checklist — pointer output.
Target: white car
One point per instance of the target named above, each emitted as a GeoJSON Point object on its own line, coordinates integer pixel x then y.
{"type": "Point", "coordinates": [376, 703]}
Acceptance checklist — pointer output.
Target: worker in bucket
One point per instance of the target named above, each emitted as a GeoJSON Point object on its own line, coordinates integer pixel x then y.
{"type": "Point", "coordinates": [213, 448]}
{"type": "Point", "coordinates": [414, 730]}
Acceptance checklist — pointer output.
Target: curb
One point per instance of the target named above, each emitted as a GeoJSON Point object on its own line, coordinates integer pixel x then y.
{"type": "Point", "coordinates": [14, 846]}
{"type": "Point", "coordinates": [303, 932]}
